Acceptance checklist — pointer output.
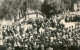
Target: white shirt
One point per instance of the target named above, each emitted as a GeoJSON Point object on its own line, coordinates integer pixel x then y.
{"type": "Point", "coordinates": [51, 38]}
{"type": "Point", "coordinates": [1, 42]}
{"type": "Point", "coordinates": [41, 30]}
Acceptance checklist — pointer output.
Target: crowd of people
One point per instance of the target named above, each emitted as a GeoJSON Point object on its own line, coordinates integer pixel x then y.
{"type": "Point", "coordinates": [47, 34]}
{"type": "Point", "coordinates": [73, 18]}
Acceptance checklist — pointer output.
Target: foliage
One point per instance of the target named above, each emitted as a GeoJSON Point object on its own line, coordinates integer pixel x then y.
{"type": "Point", "coordinates": [36, 4]}
{"type": "Point", "coordinates": [68, 4]}
{"type": "Point", "coordinates": [51, 9]}
{"type": "Point", "coordinates": [10, 8]}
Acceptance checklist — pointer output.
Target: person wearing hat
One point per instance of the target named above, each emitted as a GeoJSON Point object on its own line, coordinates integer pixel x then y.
{"type": "Point", "coordinates": [25, 46]}
{"type": "Point", "coordinates": [41, 30]}
{"type": "Point", "coordinates": [9, 47]}
{"type": "Point", "coordinates": [31, 37]}
{"type": "Point", "coordinates": [17, 45]}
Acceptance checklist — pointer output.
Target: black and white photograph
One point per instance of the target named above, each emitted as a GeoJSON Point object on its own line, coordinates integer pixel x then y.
{"type": "Point", "coordinates": [39, 24]}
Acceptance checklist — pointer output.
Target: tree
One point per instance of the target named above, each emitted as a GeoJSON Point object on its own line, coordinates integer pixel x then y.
{"type": "Point", "coordinates": [9, 8]}
{"type": "Point", "coordinates": [51, 9]}
{"type": "Point", "coordinates": [36, 4]}
{"type": "Point", "coordinates": [68, 4]}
